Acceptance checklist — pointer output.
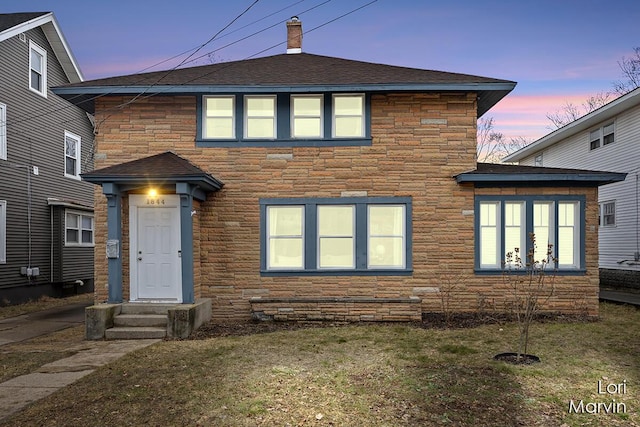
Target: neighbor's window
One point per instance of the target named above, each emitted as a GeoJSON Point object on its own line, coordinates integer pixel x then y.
{"type": "Point", "coordinates": [285, 237]}
{"type": "Point", "coordinates": [336, 236]}
{"type": "Point", "coordinates": [607, 214]}
{"type": "Point", "coordinates": [78, 229]}
{"type": "Point", "coordinates": [602, 136]}
{"type": "Point", "coordinates": [504, 224]}
{"type": "Point", "coordinates": [219, 117]}
{"type": "Point", "coordinates": [260, 117]}
{"type": "Point", "coordinates": [306, 116]}
{"type": "Point", "coordinates": [538, 160]}
{"type": "Point", "coordinates": [3, 132]}
{"type": "Point", "coordinates": [71, 155]}
{"type": "Point", "coordinates": [348, 116]}
{"type": "Point", "coordinates": [37, 69]}
{"type": "Point", "coordinates": [3, 231]}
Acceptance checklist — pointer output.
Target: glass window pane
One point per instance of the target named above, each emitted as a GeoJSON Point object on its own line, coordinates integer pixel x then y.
{"type": "Point", "coordinates": [566, 214]}
{"type": "Point", "coordinates": [307, 106]}
{"type": "Point", "coordinates": [260, 107]}
{"type": "Point", "coordinates": [307, 127]}
{"type": "Point", "coordinates": [488, 214]}
{"type": "Point", "coordinates": [285, 253]}
{"type": "Point", "coordinates": [542, 229]}
{"type": "Point", "coordinates": [488, 246]}
{"type": "Point", "coordinates": [335, 220]}
{"type": "Point", "coordinates": [565, 246]}
{"type": "Point", "coordinates": [87, 222]}
{"type": "Point", "coordinates": [285, 220]}
{"type": "Point", "coordinates": [348, 127]}
{"type": "Point", "coordinates": [36, 81]}
{"type": "Point", "coordinates": [219, 107]}
{"type": "Point", "coordinates": [347, 105]}
{"type": "Point", "coordinates": [218, 128]}
{"type": "Point", "coordinates": [336, 252]}
{"type": "Point", "coordinates": [72, 221]}
{"type": "Point", "coordinates": [260, 128]}
{"type": "Point", "coordinates": [386, 252]}
{"type": "Point", "coordinates": [70, 166]}
{"type": "Point", "coordinates": [87, 236]}
{"type": "Point", "coordinates": [72, 236]}
{"type": "Point", "coordinates": [514, 229]}
{"type": "Point", "coordinates": [386, 220]}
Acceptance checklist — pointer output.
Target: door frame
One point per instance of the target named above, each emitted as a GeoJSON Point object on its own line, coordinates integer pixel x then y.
{"type": "Point", "coordinates": [137, 201]}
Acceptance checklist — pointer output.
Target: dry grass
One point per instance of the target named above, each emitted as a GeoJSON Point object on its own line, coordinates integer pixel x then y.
{"type": "Point", "coordinates": [378, 375]}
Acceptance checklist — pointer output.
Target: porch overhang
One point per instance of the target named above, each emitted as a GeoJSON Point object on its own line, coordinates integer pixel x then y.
{"type": "Point", "coordinates": [166, 173]}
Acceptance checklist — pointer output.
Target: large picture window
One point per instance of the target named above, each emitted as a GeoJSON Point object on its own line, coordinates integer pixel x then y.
{"type": "Point", "coordinates": [503, 224]}
{"type": "Point", "coordinates": [336, 236]}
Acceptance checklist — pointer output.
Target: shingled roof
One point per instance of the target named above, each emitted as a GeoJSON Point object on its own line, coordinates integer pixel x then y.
{"type": "Point", "coordinates": [492, 174]}
{"type": "Point", "coordinates": [302, 72]}
{"type": "Point", "coordinates": [165, 167]}
{"type": "Point", "coordinates": [10, 20]}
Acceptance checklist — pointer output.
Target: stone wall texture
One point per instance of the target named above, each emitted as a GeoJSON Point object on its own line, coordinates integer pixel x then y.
{"type": "Point", "coordinates": [420, 141]}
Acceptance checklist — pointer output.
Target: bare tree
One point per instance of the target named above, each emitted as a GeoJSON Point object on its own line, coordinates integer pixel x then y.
{"type": "Point", "coordinates": [492, 145]}
{"type": "Point", "coordinates": [630, 68]}
{"type": "Point", "coordinates": [569, 112]}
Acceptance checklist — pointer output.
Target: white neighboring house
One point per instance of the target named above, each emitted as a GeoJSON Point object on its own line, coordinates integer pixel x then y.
{"type": "Point", "coordinates": [607, 139]}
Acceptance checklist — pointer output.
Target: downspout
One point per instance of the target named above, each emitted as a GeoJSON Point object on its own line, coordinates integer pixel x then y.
{"type": "Point", "coordinates": [52, 275]}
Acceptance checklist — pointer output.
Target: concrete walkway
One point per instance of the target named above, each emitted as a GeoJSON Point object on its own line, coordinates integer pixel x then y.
{"type": "Point", "coordinates": [18, 392]}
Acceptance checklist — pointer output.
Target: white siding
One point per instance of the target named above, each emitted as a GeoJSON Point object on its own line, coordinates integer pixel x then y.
{"type": "Point", "coordinates": [617, 243]}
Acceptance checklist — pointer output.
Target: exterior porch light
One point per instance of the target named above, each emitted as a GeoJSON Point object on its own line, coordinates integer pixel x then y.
{"type": "Point", "coordinates": [153, 192]}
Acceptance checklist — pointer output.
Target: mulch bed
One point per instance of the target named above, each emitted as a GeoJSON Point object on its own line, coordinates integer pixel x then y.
{"type": "Point", "coordinates": [429, 321]}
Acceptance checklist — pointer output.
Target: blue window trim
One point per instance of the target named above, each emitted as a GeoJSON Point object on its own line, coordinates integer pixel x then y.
{"type": "Point", "coordinates": [310, 246]}
{"type": "Point", "coordinates": [283, 127]}
{"type": "Point", "coordinates": [528, 201]}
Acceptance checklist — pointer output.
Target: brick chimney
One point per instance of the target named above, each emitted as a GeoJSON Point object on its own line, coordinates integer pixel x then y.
{"type": "Point", "coordinates": [294, 35]}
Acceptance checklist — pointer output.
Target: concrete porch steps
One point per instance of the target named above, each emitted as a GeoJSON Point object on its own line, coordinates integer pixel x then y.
{"type": "Point", "coordinates": [140, 321]}
{"type": "Point", "coordinates": [135, 332]}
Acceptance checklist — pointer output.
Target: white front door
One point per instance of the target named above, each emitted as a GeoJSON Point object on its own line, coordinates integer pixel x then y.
{"type": "Point", "coordinates": [156, 273]}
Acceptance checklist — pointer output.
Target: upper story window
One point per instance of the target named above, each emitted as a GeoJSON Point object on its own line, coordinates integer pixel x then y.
{"type": "Point", "coordinates": [219, 117]}
{"type": "Point", "coordinates": [348, 116]}
{"type": "Point", "coordinates": [608, 214]}
{"type": "Point", "coordinates": [504, 223]}
{"type": "Point", "coordinates": [260, 117]}
{"type": "Point", "coordinates": [3, 132]}
{"type": "Point", "coordinates": [602, 136]}
{"type": "Point", "coordinates": [72, 151]}
{"type": "Point", "coordinates": [306, 116]}
{"type": "Point", "coordinates": [336, 236]}
{"type": "Point", "coordinates": [283, 120]}
{"type": "Point", "coordinates": [538, 160]}
{"type": "Point", "coordinates": [78, 229]}
{"type": "Point", "coordinates": [37, 69]}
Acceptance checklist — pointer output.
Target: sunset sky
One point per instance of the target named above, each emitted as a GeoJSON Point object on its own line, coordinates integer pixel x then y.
{"type": "Point", "coordinates": [557, 50]}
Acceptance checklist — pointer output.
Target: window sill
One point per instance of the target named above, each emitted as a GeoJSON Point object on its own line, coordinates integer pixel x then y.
{"type": "Point", "coordinates": [334, 142]}
{"type": "Point", "coordinates": [548, 272]}
{"type": "Point", "coordinates": [371, 272]}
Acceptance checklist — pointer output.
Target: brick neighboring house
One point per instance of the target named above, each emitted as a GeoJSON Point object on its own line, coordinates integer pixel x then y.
{"type": "Point", "coordinates": [299, 186]}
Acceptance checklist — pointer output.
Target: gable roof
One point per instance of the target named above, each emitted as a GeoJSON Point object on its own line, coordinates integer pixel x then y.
{"type": "Point", "coordinates": [298, 73]}
{"type": "Point", "coordinates": [13, 24]}
{"type": "Point", "coordinates": [496, 175]}
{"type": "Point", "coordinates": [165, 167]}
{"type": "Point", "coordinates": [606, 112]}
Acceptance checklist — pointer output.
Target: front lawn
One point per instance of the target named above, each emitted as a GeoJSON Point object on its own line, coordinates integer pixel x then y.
{"type": "Point", "coordinates": [373, 375]}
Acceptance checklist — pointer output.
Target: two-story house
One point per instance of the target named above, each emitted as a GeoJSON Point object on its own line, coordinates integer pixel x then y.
{"type": "Point", "coordinates": [607, 139]}
{"type": "Point", "coordinates": [299, 186]}
{"type": "Point", "coordinates": [46, 211]}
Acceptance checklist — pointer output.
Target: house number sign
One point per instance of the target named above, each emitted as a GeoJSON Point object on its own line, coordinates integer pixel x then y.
{"type": "Point", "coordinates": [155, 201]}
